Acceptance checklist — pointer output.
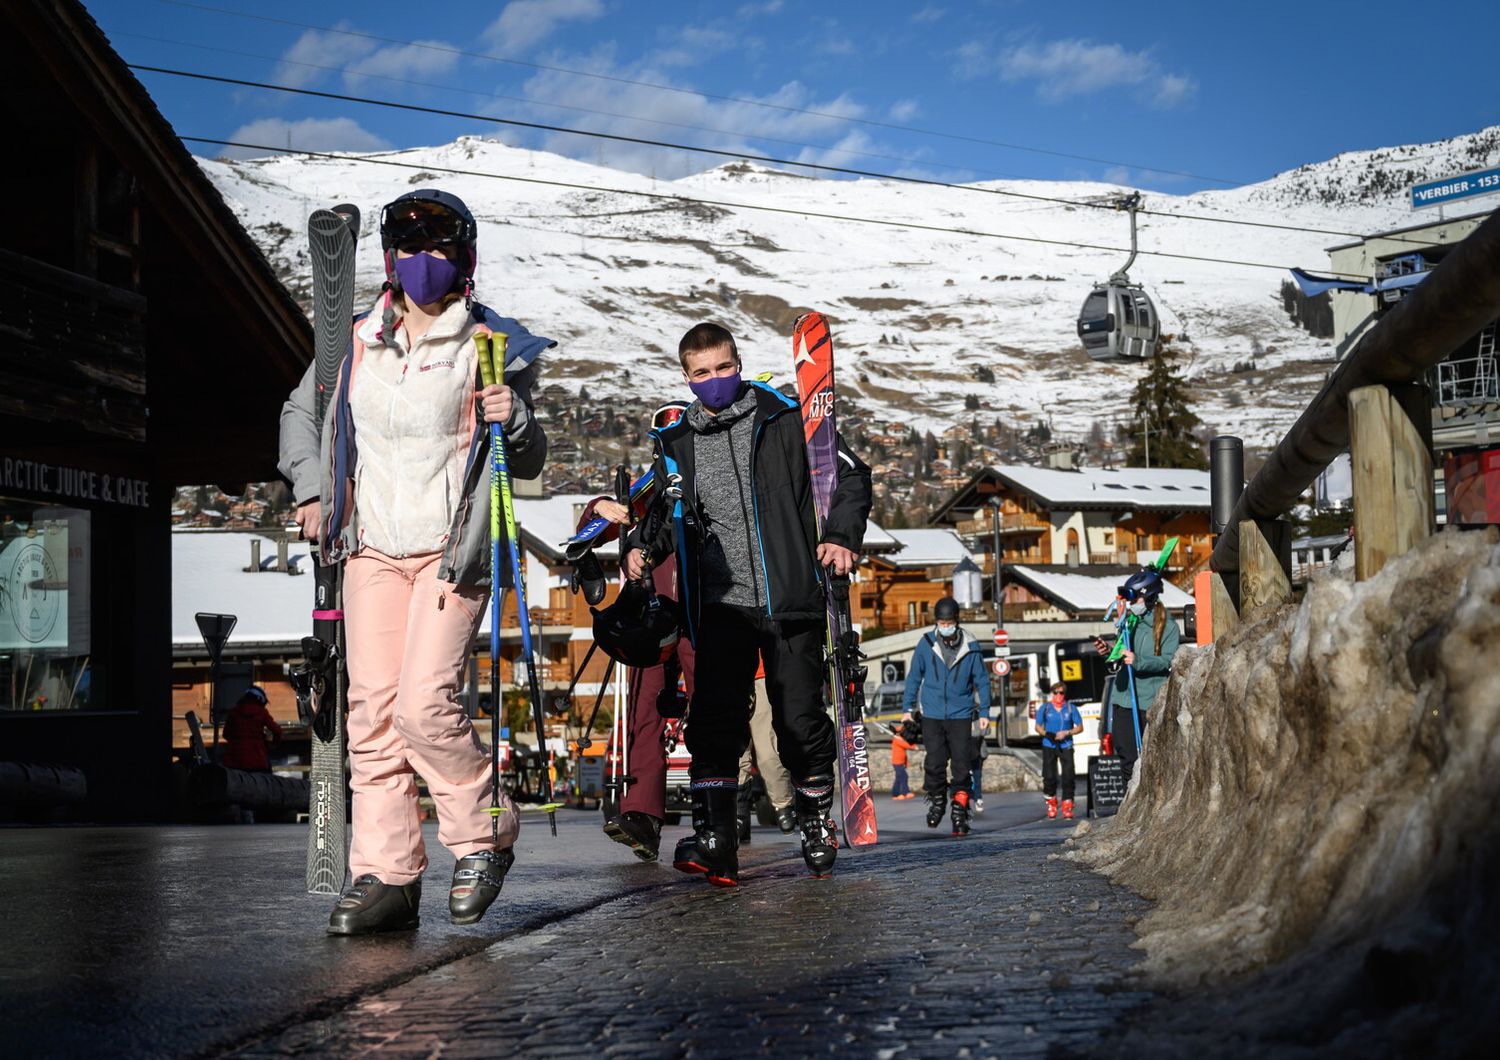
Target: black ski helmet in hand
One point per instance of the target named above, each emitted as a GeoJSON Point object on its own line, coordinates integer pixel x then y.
{"type": "Point", "coordinates": [639, 628]}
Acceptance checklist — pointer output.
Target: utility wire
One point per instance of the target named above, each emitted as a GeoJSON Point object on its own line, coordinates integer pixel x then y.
{"type": "Point", "coordinates": [724, 153]}
{"type": "Point", "coordinates": [688, 200]}
{"type": "Point", "coordinates": [693, 92]}
{"type": "Point", "coordinates": [581, 110]}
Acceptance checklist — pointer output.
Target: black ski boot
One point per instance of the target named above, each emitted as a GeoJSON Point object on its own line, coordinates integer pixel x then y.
{"type": "Point", "coordinates": [639, 831]}
{"type": "Point", "coordinates": [937, 803]}
{"type": "Point", "coordinates": [710, 850]}
{"type": "Point", "coordinates": [960, 813]}
{"type": "Point", "coordinates": [786, 820]}
{"type": "Point", "coordinates": [813, 799]}
{"type": "Point", "coordinates": [742, 811]}
{"type": "Point", "coordinates": [370, 906]}
{"type": "Point", "coordinates": [477, 880]}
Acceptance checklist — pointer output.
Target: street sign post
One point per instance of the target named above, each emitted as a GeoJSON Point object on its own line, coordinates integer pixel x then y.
{"type": "Point", "coordinates": [215, 630]}
{"type": "Point", "coordinates": [1001, 667]}
{"type": "Point", "coordinates": [1462, 186]}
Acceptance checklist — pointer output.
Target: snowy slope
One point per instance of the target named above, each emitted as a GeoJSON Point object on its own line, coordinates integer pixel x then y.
{"type": "Point", "coordinates": [617, 277]}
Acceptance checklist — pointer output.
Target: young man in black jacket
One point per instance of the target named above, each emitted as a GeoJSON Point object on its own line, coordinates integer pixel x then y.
{"type": "Point", "coordinates": [751, 565]}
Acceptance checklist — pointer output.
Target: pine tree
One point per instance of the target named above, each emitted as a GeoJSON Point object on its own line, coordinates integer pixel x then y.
{"type": "Point", "coordinates": [1161, 407]}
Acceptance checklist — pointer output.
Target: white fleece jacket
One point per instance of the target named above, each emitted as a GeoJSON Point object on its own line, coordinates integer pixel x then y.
{"type": "Point", "coordinates": [414, 413]}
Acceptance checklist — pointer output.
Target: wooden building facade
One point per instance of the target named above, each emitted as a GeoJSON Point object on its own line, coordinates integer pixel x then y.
{"type": "Point", "coordinates": [148, 345]}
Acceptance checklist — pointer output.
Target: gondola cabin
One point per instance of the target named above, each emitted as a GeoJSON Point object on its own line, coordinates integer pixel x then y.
{"type": "Point", "coordinates": [1119, 323]}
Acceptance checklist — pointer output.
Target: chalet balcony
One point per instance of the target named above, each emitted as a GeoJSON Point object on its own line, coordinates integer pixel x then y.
{"type": "Point", "coordinates": [1010, 523]}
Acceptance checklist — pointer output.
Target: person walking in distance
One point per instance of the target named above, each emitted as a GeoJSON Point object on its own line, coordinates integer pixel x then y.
{"type": "Point", "coordinates": [947, 680]}
{"type": "Point", "coordinates": [1057, 722]}
{"type": "Point", "coordinates": [903, 741]}
{"type": "Point", "coordinates": [245, 732]}
{"type": "Point", "coordinates": [750, 562]}
{"type": "Point", "coordinates": [399, 493]}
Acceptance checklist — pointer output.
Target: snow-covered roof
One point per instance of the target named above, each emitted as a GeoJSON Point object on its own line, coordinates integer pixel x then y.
{"type": "Point", "coordinates": [927, 548]}
{"type": "Point", "coordinates": [1086, 593]}
{"type": "Point", "coordinates": [877, 539]}
{"type": "Point", "coordinates": [1126, 487]}
{"type": "Point", "coordinates": [208, 575]}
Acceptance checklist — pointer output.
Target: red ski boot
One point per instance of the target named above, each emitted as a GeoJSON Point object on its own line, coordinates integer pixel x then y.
{"type": "Point", "coordinates": [960, 813]}
{"type": "Point", "coordinates": [1051, 806]}
{"type": "Point", "coordinates": [1067, 809]}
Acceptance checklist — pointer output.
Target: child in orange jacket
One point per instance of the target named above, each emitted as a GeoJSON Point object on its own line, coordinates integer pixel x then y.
{"type": "Point", "coordinates": [900, 788]}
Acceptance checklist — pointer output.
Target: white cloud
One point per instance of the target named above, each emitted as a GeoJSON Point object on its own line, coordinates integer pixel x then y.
{"type": "Point", "coordinates": [418, 59]}
{"type": "Point", "coordinates": [930, 13]}
{"type": "Point", "coordinates": [319, 48]}
{"type": "Point", "coordinates": [770, 7]}
{"type": "Point", "coordinates": [742, 121]}
{"type": "Point", "coordinates": [308, 134]}
{"type": "Point", "coordinates": [527, 22]}
{"type": "Point", "coordinates": [905, 110]}
{"type": "Point", "coordinates": [694, 45]}
{"type": "Point", "coordinates": [1064, 69]}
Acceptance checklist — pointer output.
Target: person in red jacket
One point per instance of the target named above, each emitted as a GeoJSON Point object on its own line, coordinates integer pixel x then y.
{"type": "Point", "coordinates": [245, 733]}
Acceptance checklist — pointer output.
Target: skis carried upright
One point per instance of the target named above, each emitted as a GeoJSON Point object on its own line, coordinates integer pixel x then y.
{"type": "Point", "coordinates": [322, 686]}
{"type": "Point", "coordinates": [812, 361]}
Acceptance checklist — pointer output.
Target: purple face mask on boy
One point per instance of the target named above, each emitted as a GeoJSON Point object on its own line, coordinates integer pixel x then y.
{"type": "Point", "coordinates": [719, 392]}
{"type": "Point", "coordinates": [426, 277]}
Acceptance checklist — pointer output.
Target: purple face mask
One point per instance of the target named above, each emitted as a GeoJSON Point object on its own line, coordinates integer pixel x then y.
{"type": "Point", "coordinates": [719, 392]}
{"type": "Point", "coordinates": [426, 277]}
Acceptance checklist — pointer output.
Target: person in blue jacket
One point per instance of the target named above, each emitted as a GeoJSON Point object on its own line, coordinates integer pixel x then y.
{"type": "Point", "coordinates": [1057, 722]}
{"type": "Point", "coordinates": [947, 680]}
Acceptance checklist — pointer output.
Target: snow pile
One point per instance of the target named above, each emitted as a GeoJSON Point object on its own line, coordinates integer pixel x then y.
{"type": "Point", "coordinates": [1322, 784]}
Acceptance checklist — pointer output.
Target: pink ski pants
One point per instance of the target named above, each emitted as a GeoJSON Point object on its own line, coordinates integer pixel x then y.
{"type": "Point", "coordinates": [408, 637]}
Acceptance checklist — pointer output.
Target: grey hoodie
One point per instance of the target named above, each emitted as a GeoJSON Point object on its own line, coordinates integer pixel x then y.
{"type": "Point", "coordinates": [722, 451]}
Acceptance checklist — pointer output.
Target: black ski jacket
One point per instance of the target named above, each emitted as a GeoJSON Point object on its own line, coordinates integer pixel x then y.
{"type": "Point", "coordinates": [783, 516]}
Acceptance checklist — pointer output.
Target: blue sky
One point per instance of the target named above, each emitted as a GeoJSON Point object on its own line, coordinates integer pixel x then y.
{"type": "Point", "coordinates": [1234, 92]}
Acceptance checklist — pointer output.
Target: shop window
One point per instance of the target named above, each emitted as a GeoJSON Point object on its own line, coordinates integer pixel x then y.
{"type": "Point", "coordinates": [45, 632]}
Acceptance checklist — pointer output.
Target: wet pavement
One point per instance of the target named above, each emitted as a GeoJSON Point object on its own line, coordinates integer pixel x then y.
{"type": "Point", "coordinates": [176, 941]}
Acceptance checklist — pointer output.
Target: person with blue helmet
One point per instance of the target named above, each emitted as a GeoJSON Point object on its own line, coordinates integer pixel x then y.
{"type": "Point", "coordinates": [948, 682]}
{"type": "Point", "coordinates": [1147, 658]}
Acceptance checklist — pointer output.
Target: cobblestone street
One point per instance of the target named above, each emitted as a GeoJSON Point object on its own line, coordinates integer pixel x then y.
{"type": "Point", "coordinates": [924, 945]}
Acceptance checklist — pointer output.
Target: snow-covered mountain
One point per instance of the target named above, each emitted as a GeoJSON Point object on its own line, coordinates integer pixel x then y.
{"type": "Point", "coordinates": [924, 319]}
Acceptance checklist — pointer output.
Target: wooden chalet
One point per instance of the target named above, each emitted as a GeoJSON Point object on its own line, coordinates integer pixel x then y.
{"type": "Point", "coordinates": [147, 344]}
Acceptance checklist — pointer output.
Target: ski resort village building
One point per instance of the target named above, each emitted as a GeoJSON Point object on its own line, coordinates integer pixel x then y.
{"type": "Point", "coordinates": [1090, 522]}
{"type": "Point", "coordinates": [147, 345]}
{"type": "Point", "coordinates": [1465, 386]}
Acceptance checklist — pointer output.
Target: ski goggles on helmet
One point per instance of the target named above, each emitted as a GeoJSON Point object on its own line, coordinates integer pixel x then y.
{"type": "Point", "coordinates": [667, 415]}
{"type": "Point", "coordinates": [420, 220]}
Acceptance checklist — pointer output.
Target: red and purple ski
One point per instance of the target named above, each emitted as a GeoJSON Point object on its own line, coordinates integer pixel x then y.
{"type": "Point", "coordinates": [812, 361]}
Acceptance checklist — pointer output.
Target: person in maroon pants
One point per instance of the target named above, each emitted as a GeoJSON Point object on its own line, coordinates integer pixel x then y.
{"type": "Point", "coordinates": [643, 804]}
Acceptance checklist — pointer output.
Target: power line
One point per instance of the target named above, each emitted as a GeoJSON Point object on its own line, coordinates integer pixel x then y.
{"type": "Point", "coordinates": [724, 153]}
{"type": "Point", "coordinates": [729, 204]}
{"type": "Point", "coordinates": [581, 110]}
{"type": "Point", "coordinates": [694, 92]}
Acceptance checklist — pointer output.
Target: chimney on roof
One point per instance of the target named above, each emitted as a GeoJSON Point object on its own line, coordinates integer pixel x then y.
{"type": "Point", "coordinates": [1060, 460]}
{"type": "Point", "coordinates": [254, 553]}
{"type": "Point", "coordinates": [281, 553]}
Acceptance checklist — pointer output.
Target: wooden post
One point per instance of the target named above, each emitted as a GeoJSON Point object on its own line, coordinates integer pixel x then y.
{"type": "Point", "coordinates": [1263, 580]}
{"type": "Point", "coordinates": [1216, 611]}
{"type": "Point", "coordinates": [1392, 479]}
